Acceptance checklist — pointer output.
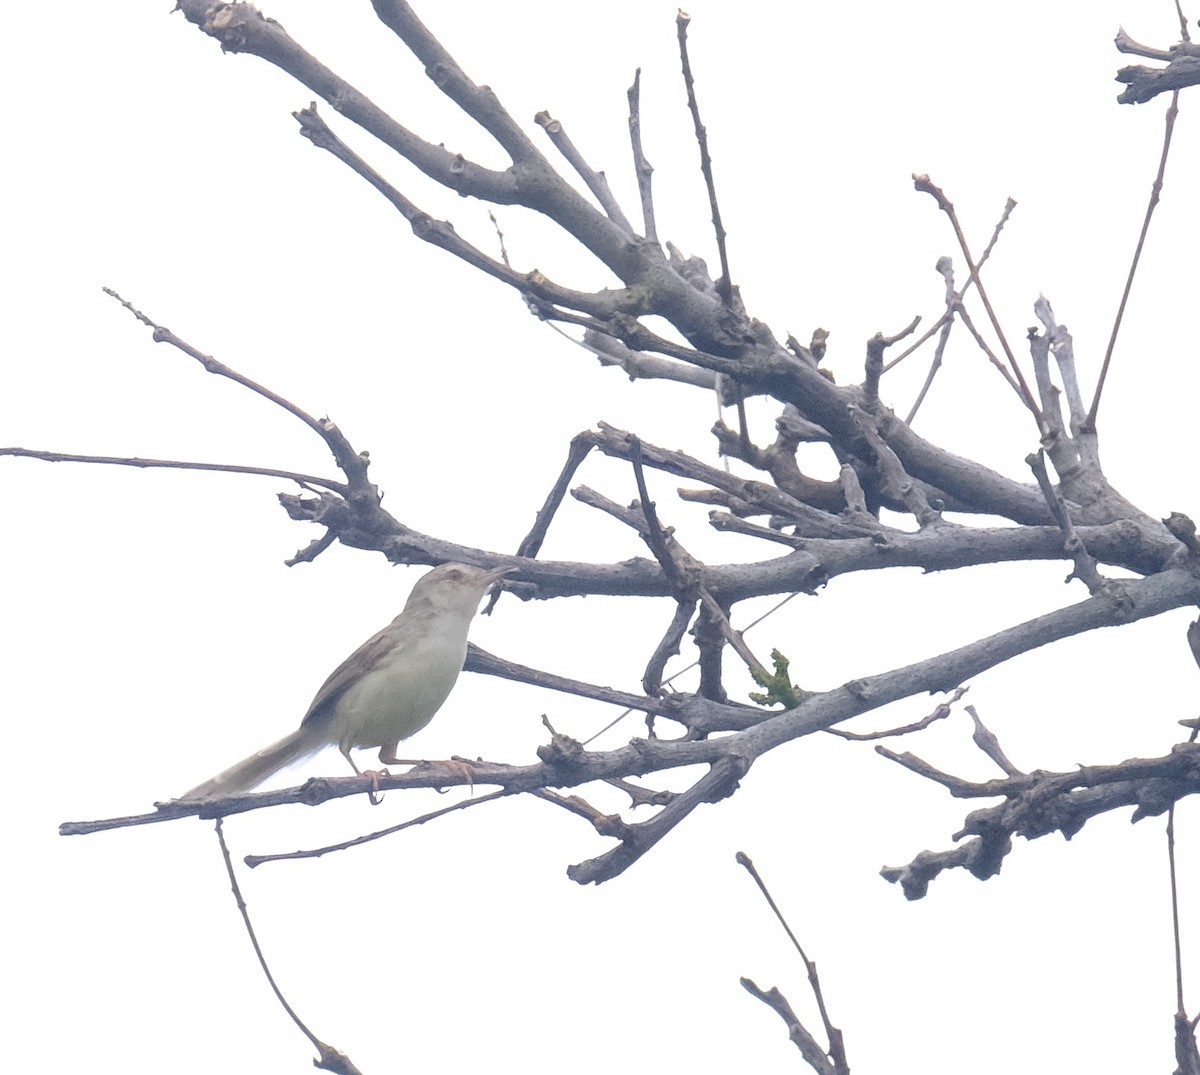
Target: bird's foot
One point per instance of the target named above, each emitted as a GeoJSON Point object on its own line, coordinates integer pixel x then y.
{"type": "Point", "coordinates": [374, 794]}
{"type": "Point", "coordinates": [460, 765]}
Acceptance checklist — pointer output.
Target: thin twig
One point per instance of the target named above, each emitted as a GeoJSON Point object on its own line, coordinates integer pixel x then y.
{"type": "Point", "coordinates": [732, 636]}
{"type": "Point", "coordinates": [531, 543]}
{"type": "Point", "coordinates": [725, 283]}
{"type": "Point", "coordinates": [940, 712]}
{"type": "Point", "coordinates": [1183, 25]}
{"type": "Point", "coordinates": [1089, 424]}
{"type": "Point", "coordinates": [925, 184]}
{"type": "Point", "coordinates": [352, 464]}
{"type": "Point", "coordinates": [330, 1059]}
{"type": "Point", "coordinates": [653, 533]}
{"type": "Point", "coordinates": [1085, 564]}
{"type": "Point", "coordinates": [977, 336]}
{"type": "Point", "coordinates": [499, 238]}
{"type": "Point", "coordinates": [313, 853]}
{"type": "Point", "coordinates": [837, 1051]}
{"type": "Point", "coordinates": [946, 268]}
{"type": "Point", "coordinates": [641, 166]}
{"type": "Point", "coordinates": [306, 481]}
{"type": "Point", "coordinates": [211, 365]}
{"type": "Point", "coordinates": [1175, 934]}
{"type": "Point", "coordinates": [951, 306]}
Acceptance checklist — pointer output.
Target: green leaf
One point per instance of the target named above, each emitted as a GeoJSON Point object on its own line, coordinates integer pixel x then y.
{"type": "Point", "coordinates": [780, 690]}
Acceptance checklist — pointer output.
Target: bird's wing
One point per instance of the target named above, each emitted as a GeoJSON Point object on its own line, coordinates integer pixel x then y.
{"type": "Point", "coordinates": [353, 668]}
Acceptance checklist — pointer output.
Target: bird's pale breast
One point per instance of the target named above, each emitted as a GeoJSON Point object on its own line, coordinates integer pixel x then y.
{"type": "Point", "coordinates": [400, 695]}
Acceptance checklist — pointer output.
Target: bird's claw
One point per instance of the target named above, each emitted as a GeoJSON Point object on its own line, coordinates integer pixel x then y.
{"type": "Point", "coordinates": [375, 797]}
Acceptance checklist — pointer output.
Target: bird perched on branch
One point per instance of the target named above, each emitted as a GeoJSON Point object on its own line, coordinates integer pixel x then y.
{"type": "Point", "coordinates": [386, 690]}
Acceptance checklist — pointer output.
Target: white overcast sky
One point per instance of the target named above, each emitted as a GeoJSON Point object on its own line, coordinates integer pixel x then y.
{"type": "Point", "coordinates": [152, 635]}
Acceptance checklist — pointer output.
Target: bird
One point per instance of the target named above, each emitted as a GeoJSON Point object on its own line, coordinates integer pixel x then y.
{"type": "Point", "coordinates": [386, 690]}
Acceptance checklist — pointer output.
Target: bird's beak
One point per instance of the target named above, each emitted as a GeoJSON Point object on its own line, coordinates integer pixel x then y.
{"type": "Point", "coordinates": [498, 574]}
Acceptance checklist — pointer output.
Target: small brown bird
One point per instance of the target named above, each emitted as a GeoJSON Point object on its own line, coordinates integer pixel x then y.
{"type": "Point", "coordinates": [387, 689]}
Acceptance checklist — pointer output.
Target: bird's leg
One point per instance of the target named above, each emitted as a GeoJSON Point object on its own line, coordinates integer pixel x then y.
{"type": "Point", "coordinates": [388, 757]}
{"type": "Point", "coordinates": [374, 774]}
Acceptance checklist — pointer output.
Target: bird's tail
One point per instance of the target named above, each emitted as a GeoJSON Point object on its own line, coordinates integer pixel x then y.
{"type": "Point", "coordinates": [255, 769]}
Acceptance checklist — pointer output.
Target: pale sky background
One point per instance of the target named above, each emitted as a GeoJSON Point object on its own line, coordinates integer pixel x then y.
{"type": "Point", "coordinates": [152, 634]}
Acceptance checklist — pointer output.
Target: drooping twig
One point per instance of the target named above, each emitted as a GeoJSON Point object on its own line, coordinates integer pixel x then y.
{"type": "Point", "coordinates": [330, 1059]}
